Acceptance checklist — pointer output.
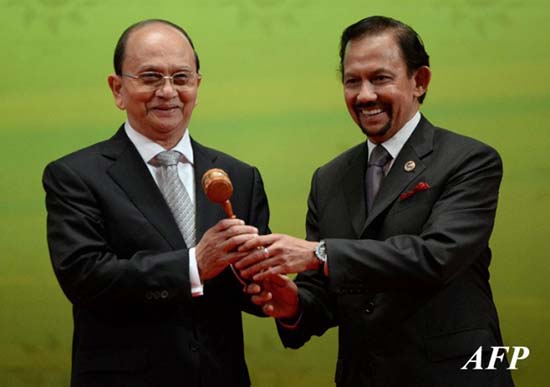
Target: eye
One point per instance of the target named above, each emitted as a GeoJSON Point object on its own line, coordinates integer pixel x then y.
{"type": "Point", "coordinates": [182, 78]}
{"type": "Point", "coordinates": [150, 77]}
{"type": "Point", "coordinates": [379, 79]}
{"type": "Point", "coordinates": [352, 82]}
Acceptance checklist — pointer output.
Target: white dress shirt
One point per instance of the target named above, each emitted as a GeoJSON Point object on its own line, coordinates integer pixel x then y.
{"type": "Point", "coordinates": [395, 143]}
{"type": "Point", "coordinates": [148, 149]}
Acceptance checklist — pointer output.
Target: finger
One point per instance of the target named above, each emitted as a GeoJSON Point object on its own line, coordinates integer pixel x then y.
{"type": "Point", "coordinates": [252, 258]}
{"type": "Point", "coordinates": [252, 288]}
{"type": "Point", "coordinates": [227, 223]}
{"type": "Point", "coordinates": [241, 229]}
{"type": "Point", "coordinates": [238, 230]}
{"type": "Point", "coordinates": [258, 262]}
{"type": "Point", "coordinates": [279, 280]}
{"type": "Point", "coordinates": [263, 275]}
{"type": "Point", "coordinates": [262, 240]}
{"type": "Point", "coordinates": [262, 298]}
{"type": "Point", "coordinates": [251, 245]}
{"type": "Point", "coordinates": [232, 257]}
{"type": "Point", "coordinates": [268, 309]}
{"type": "Point", "coordinates": [264, 268]}
{"type": "Point", "coordinates": [237, 240]}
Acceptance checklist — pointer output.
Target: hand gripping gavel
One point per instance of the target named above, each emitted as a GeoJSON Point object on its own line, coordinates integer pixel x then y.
{"type": "Point", "coordinates": [218, 189]}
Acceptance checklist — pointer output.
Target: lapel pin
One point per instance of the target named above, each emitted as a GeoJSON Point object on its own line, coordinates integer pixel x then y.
{"type": "Point", "coordinates": [409, 166]}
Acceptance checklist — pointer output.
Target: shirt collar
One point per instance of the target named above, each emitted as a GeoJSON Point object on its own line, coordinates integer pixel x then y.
{"type": "Point", "coordinates": [395, 143]}
{"type": "Point", "coordinates": [148, 149]}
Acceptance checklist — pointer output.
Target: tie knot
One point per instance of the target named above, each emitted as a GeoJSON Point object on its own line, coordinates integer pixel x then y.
{"type": "Point", "coordinates": [168, 158]}
{"type": "Point", "coordinates": [379, 156]}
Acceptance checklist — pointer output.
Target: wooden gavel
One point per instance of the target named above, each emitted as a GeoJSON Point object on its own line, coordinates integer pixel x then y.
{"type": "Point", "coordinates": [218, 189]}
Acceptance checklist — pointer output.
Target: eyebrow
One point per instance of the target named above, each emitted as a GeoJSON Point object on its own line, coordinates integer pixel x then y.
{"type": "Point", "coordinates": [376, 71]}
{"type": "Point", "coordinates": [155, 68]}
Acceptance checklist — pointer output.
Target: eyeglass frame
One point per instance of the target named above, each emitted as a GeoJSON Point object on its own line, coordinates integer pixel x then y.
{"type": "Point", "coordinates": [191, 76]}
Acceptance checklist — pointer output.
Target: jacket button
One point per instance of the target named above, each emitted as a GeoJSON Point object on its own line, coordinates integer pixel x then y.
{"type": "Point", "coordinates": [370, 307]}
{"type": "Point", "coordinates": [164, 294]}
{"type": "Point", "coordinates": [371, 368]}
{"type": "Point", "coordinates": [193, 347]}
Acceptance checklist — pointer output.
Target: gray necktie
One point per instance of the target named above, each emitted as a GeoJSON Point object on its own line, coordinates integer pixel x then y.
{"type": "Point", "coordinates": [375, 172]}
{"type": "Point", "coordinates": [176, 195]}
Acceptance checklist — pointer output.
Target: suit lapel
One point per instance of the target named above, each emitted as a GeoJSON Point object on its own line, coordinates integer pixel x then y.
{"type": "Point", "coordinates": [415, 149]}
{"type": "Point", "coordinates": [353, 183]}
{"type": "Point", "coordinates": [132, 175]}
{"type": "Point", "coordinates": [206, 211]}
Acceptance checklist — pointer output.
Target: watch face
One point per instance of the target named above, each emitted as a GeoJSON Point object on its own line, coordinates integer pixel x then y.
{"type": "Point", "coordinates": [321, 251]}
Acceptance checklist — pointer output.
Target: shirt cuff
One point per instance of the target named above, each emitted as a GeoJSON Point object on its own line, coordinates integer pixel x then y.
{"type": "Point", "coordinates": [194, 278]}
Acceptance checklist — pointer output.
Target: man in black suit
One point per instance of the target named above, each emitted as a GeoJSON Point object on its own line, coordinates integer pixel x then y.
{"type": "Point", "coordinates": [150, 307]}
{"type": "Point", "coordinates": [400, 264]}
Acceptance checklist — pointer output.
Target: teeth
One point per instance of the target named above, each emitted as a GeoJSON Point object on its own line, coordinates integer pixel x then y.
{"type": "Point", "coordinates": [371, 112]}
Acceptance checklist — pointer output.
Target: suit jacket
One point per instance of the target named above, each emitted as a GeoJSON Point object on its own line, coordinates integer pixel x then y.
{"type": "Point", "coordinates": [122, 262]}
{"type": "Point", "coordinates": [408, 281]}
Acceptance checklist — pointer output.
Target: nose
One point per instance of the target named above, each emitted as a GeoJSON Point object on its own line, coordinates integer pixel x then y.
{"type": "Point", "coordinates": [167, 90]}
{"type": "Point", "coordinates": [366, 92]}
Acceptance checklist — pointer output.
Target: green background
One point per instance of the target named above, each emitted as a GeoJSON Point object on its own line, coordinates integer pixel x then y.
{"type": "Point", "coordinates": [270, 96]}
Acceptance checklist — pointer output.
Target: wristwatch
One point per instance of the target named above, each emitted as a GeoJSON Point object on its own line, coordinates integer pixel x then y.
{"type": "Point", "coordinates": [321, 253]}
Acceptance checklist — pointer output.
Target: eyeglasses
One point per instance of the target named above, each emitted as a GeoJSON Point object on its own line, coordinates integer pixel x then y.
{"type": "Point", "coordinates": [154, 80]}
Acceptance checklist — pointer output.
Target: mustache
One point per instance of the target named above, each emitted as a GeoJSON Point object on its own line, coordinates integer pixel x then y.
{"type": "Point", "coordinates": [366, 105]}
{"type": "Point", "coordinates": [171, 106]}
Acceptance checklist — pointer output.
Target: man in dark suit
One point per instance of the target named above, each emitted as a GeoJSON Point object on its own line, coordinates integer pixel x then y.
{"type": "Point", "coordinates": [403, 222]}
{"type": "Point", "coordinates": [151, 307]}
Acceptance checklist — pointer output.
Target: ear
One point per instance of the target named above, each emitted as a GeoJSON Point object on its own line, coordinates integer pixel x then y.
{"type": "Point", "coordinates": [115, 83]}
{"type": "Point", "coordinates": [198, 85]}
{"type": "Point", "coordinates": [422, 79]}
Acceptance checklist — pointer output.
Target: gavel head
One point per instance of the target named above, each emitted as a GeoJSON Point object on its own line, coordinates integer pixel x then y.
{"type": "Point", "coordinates": [217, 185]}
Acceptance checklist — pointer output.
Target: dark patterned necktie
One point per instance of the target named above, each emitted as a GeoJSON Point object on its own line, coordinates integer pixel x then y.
{"type": "Point", "coordinates": [375, 172]}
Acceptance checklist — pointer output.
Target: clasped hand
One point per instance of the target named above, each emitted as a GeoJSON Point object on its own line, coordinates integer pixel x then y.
{"type": "Point", "coordinates": [264, 259]}
{"type": "Point", "coordinates": [275, 254]}
{"type": "Point", "coordinates": [277, 295]}
{"type": "Point", "coordinates": [217, 248]}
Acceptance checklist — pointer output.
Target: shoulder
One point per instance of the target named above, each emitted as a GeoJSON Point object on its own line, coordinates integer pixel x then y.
{"type": "Point", "coordinates": [241, 173]}
{"type": "Point", "coordinates": [82, 154]}
{"type": "Point", "coordinates": [218, 157]}
{"type": "Point", "coordinates": [351, 157]}
{"type": "Point", "coordinates": [92, 160]}
{"type": "Point", "coordinates": [81, 159]}
{"type": "Point", "coordinates": [446, 137]}
{"type": "Point", "coordinates": [452, 145]}
{"type": "Point", "coordinates": [107, 149]}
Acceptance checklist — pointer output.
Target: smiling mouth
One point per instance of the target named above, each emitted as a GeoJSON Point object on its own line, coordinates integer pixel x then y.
{"type": "Point", "coordinates": [165, 108]}
{"type": "Point", "coordinates": [368, 110]}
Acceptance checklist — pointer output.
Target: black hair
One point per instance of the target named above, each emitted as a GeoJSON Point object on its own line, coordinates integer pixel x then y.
{"type": "Point", "coordinates": [408, 40]}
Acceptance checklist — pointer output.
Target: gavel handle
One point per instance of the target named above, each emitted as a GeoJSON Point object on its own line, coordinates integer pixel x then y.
{"type": "Point", "coordinates": [228, 208]}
